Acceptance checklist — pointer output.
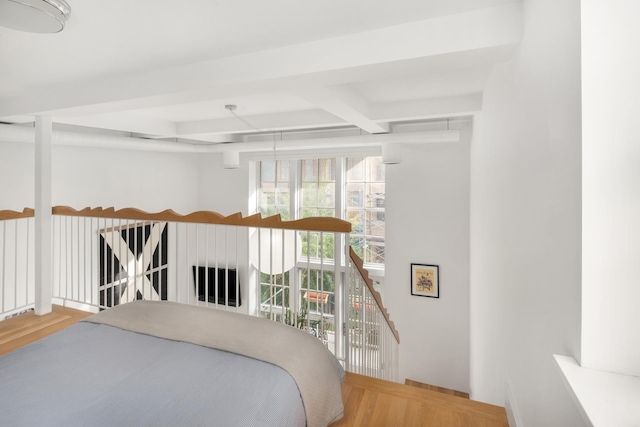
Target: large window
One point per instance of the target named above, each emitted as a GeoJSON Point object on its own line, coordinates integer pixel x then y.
{"type": "Point", "coordinates": [348, 188]}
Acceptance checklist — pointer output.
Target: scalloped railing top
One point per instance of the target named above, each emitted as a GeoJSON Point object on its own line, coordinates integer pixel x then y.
{"type": "Point", "coordinates": [208, 217]}
{"type": "Point", "coordinates": [9, 214]}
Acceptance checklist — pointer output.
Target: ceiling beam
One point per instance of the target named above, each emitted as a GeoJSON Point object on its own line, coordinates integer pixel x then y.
{"type": "Point", "coordinates": [122, 121]}
{"type": "Point", "coordinates": [328, 58]}
{"type": "Point", "coordinates": [22, 134]}
{"type": "Point", "coordinates": [264, 122]}
{"type": "Point", "coordinates": [429, 108]}
{"type": "Point", "coordinates": [342, 101]}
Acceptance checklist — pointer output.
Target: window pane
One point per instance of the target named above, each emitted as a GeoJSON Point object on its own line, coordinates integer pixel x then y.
{"type": "Point", "coordinates": [267, 171]}
{"type": "Point", "coordinates": [309, 170]}
{"type": "Point", "coordinates": [274, 194]}
{"type": "Point", "coordinates": [365, 200]}
{"type": "Point", "coordinates": [374, 251]}
{"type": "Point", "coordinates": [309, 195]}
{"type": "Point", "coordinates": [283, 170]}
{"type": "Point", "coordinates": [375, 195]}
{"type": "Point", "coordinates": [326, 170]}
{"type": "Point", "coordinates": [274, 296]}
{"type": "Point", "coordinates": [318, 245]}
{"type": "Point", "coordinates": [355, 195]}
{"type": "Point", "coordinates": [326, 195]}
{"type": "Point", "coordinates": [357, 243]}
{"type": "Point", "coordinates": [275, 289]}
{"type": "Point", "coordinates": [282, 198]}
{"type": "Point", "coordinates": [318, 188]}
{"type": "Point", "coordinates": [355, 169]}
{"type": "Point", "coordinates": [317, 290]}
{"type": "Point", "coordinates": [309, 212]}
{"type": "Point", "coordinates": [375, 226]}
{"type": "Point", "coordinates": [356, 218]}
{"type": "Point", "coordinates": [375, 169]}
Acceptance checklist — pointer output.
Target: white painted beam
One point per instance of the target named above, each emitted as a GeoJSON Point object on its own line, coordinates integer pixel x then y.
{"type": "Point", "coordinates": [20, 134]}
{"type": "Point", "coordinates": [324, 59]}
{"type": "Point", "coordinates": [430, 108]}
{"type": "Point", "coordinates": [264, 122]}
{"type": "Point", "coordinates": [43, 239]}
{"type": "Point", "coordinates": [122, 121]}
{"type": "Point", "coordinates": [432, 137]}
{"type": "Point", "coordinates": [342, 101]}
{"type": "Point", "coordinates": [217, 138]}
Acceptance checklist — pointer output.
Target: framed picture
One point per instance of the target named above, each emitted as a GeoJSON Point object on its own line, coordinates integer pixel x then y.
{"type": "Point", "coordinates": [425, 281]}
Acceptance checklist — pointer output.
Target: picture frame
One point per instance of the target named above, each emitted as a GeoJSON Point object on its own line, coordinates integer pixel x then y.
{"type": "Point", "coordinates": [425, 280]}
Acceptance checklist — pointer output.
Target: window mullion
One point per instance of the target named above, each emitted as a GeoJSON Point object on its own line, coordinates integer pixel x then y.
{"type": "Point", "coordinates": [295, 186]}
{"type": "Point", "coordinates": [339, 208]}
{"type": "Point", "coordinates": [294, 197]}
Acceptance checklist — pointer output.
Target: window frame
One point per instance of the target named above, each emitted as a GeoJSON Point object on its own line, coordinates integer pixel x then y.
{"type": "Point", "coordinates": [296, 288]}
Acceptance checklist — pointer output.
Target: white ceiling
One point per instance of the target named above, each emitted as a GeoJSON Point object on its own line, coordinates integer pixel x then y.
{"type": "Point", "coordinates": [166, 69]}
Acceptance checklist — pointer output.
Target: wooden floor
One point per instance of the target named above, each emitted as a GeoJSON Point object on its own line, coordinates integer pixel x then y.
{"type": "Point", "coordinates": [373, 402]}
{"type": "Point", "coordinates": [368, 401]}
{"type": "Point", "coordinates": [27, 328]}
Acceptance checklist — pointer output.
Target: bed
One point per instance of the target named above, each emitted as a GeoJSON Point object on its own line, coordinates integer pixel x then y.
{"type": "Point", "coordinates": [152, 363]}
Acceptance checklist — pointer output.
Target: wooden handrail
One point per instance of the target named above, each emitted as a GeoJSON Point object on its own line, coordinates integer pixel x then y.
{"type": "Point", "coordinates": [357, 261]}
{"type": "Point", "coordinates": [209, 217]}
{"type": "Point", "coordinates": [8, 214]}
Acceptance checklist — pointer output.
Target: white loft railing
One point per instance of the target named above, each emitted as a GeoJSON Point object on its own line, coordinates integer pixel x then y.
{"type": "Point", "coordinates": [16, 262]}
{"type": "Point", "coordinates": [300, 272]}
{"type": "Point", "coordinates": [374, 340]}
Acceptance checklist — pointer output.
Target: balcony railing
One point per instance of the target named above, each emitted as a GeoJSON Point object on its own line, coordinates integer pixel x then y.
{"type": "Point", "coordinates": [374, 340]}
{"type": "Point", "coordinates": [16, 262]}
{"type": "Point", "coordinates": [302, 272]}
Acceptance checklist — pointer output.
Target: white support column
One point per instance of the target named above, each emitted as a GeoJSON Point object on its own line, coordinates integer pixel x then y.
{"type": "Point", "coordinates": [43, 237]}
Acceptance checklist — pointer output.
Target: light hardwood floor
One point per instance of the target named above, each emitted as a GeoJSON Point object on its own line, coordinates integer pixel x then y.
{"type": "Point", "coordinates": [373, 402]}
{"type": "Point", "coordinates": [368, 402]}
{"type": "Point", "coordinates": [27, 328]}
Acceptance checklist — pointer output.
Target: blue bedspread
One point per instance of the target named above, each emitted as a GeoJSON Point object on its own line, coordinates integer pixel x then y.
{"type": "Point", "coordinates": [98, 375]}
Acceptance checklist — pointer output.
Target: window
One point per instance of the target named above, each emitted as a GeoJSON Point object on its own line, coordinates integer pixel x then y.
{"type": "Point", "coordinates": [348, 188]}
{"type": "Point", "coordinates": [310, 188]}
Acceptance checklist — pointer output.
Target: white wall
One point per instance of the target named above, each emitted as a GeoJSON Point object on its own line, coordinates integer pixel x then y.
{"type": "Point", "coordinates": [525, 220]}
{"type": "Point", "coordinates": [107, 177]}
{"type": "Point", "coordinates": [225, 191]}
{"type": "Point", "coordinates": [611, 186]}
{"type": "Point", "coordinates": [427, 222]}
{"type": "Point", "coordinates": [17, 176]}
{"type": "Point", "coordinates": [84, 177]}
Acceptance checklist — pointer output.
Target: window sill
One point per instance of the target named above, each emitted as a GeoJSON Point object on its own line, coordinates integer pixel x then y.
{"type": "Point", "coordinates": [603, 398]}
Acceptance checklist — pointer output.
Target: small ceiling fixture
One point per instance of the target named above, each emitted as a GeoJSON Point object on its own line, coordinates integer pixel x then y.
{"type": "Point", "coordinates": [391, 153]}
{"type": "Point", "coordinates": [34, 16]}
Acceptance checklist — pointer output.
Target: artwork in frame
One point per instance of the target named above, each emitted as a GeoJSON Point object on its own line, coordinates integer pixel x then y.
{"type": "Point", "coordinates": [425, 280]}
